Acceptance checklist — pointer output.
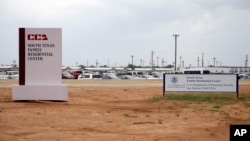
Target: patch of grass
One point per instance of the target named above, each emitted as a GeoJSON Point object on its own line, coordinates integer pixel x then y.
{"type": "Point", "coordinates": [219, 99]}
{"type": "Point", "coordinates": [170, 108]}
{"type": "Point", "coordinates": [247, 105]}
{"type": "Point", "coordinates": [185, 106]}
{"type": "Point", "coordinates": [199, 97]}
{"type": "Point", "coordinates": [217, 106]}
{"type": "Point", "coordinates": [213, 110]}
{"type": "Point", "coordinates": [129, 115]}
{"type": "Point", "coordinates": [155, 99]}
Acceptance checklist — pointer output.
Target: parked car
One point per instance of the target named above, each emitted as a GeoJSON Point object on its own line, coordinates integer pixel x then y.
{"type": "Point", "coordinates": [244, 76]}
{"type": "Point", "coordinates": [158, 75]}
{"type": "Point", "coordinates": [75, 73]}
{"type": "Point", "coordinates": [126, 77]}
{"type": "Point", "coordinates": [146, 76]}
{"type": "Point", "coordinates": [12, 74]}
{"type": "Point", "coordinates": [67, 75]}
{"type": "Point", "coordinates": [109, 76]}
{"type": "Point", "coordinates": [3, 75]}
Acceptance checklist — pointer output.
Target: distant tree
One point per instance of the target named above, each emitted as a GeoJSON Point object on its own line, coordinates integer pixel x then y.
{"type": "Point", "coordinates": [169, 66]}
{"type": "Point", "coordinates": [104, 66]}
{"type": "Point", "coordinates": [81, 66]}
{"type": "Point", "coordinates": [131, 66]}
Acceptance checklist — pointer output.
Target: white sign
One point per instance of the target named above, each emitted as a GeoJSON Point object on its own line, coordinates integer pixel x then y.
{"type": "Point", "coordinates": [200, 83]}
{"type": "Point", "coordinates": [40, 61]}
{"type": "Point", "coordinates": [43, 53]}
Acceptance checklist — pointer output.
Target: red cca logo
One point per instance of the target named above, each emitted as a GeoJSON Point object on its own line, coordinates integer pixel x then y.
{"type": "Point", "coordinates": [37, 37]}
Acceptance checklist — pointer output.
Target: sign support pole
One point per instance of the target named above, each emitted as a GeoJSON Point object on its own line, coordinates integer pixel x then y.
{"type": "Point", "coordinates": [164, 84]}
{"type": "Point", "coordinates": [237, 86]}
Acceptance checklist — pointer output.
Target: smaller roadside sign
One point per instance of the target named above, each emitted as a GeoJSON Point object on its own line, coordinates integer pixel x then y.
{"type": "Point", "coordinates": [200, 83]}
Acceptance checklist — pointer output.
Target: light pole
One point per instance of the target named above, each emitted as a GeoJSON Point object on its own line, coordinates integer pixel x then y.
{"type": "Point", "coordinates": [157, 62]}
{"type": "Point", "coordinates": [180, 61]}
{"type": "Point", "coordinates": [97, 62]}
{"type": "Point", "coordinates": [162, 62]}
{"type": "Point", "coordinates": [175, 36]}
{"type": "Point", "coordinates": [198, 61]}
{"type": "Point", "coordinates": [202, 60]}
{"type": "Point", "coordinates": [214, 61]}
{"type": "Point", "coordinates": [132, 62]}
{"type": "Point", "coordinates": [152, 59]}
{"type": "Point", "coordinates": [14, 63]}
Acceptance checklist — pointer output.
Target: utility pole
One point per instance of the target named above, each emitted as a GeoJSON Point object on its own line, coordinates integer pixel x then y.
{"type": "Point", "coordinates": [157, 61]}
{"type": "Point", "coordinates": [162, 62]}
{"type": "Point", "coordinates": [96, 63]}
{"type": "Point", "coordinates": [198, 61]}
{"type": "Point", "coordinates": [132, 62]}
{"type": "Point", "coordinates": [152, 59]}
{"type": "Point", "coordinates": [214, 61]}
{"type": "Point", "coordinates": [202, 60]}
{"type": "Point", "coordinates": [180, 61]}
{"type": "Point", "coordinates": [14, 63]}
{"type": "Point", "coordinates": [175, 36]}
{"type": "Point", "coordinates": [246, 61]}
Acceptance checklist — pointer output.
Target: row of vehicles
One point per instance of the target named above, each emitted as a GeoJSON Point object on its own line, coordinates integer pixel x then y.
{"type": "Point", "coordinates": [9, 75]}
{"type": "Point", "coordinates": [112, 75]}
{"type": "Point", "coordinates": [202, 71]}
{"type": "Point", "coordinates": [245, 76]}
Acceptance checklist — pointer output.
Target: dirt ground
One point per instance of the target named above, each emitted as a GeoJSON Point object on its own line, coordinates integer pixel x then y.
{"type": "Point", "coordinates": [111, 110]}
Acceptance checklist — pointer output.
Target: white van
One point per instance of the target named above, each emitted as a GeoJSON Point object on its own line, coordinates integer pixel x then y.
{"type": "Point", "coordinates": [196, 71]}
{"type": "Point", "coordinates": [89, 76]}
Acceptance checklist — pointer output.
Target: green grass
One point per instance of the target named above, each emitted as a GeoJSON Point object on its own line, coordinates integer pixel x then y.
{"type": "Point", "coordinates": [217, 99]}
{"type": "Point", "coordinates": [247, 105]}
{"type": "Point", "coordinates": [217, 106]}
{"type": "Point", "coordinates": [129, 115]}
{"type": "Point", "coordinates": [199, 97]}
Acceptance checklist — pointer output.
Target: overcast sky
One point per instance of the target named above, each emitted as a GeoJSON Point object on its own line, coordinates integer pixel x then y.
{"type": "Point", "coordinates": [110, 31]}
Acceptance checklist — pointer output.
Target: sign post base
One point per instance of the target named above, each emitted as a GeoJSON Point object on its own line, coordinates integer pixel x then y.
{"type": "Point", "coordinates": [40, 92]}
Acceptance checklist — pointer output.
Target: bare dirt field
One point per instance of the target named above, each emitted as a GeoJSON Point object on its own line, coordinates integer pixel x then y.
{"type": "Point", "coordinates": [111, 110]}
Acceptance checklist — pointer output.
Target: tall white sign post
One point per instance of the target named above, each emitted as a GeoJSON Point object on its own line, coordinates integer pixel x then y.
{"type": "Point", "coordinates": [40, 61]}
